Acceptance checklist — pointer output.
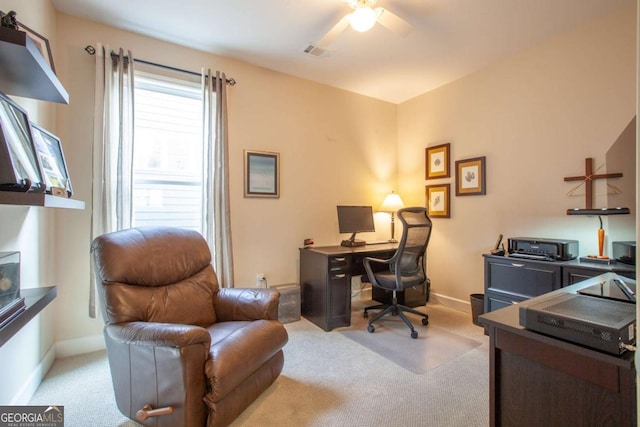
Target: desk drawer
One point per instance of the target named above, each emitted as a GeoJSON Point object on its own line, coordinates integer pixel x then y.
{"type": "Point", "coordinates": [496, 300]}
{"type": "Point", "coordinates": [522, 278]}
{"type": "Point", "coordinates": [339, 264]}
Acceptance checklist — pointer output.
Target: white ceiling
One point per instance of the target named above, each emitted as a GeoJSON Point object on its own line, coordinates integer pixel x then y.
{"type": "Point", "coordinates": [450, 38]}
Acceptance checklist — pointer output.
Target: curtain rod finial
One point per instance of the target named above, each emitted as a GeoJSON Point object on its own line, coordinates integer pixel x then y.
{"type": "Point", "coordinates": [90, 49]}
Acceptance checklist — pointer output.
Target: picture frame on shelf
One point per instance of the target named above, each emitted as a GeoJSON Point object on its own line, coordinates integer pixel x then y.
{"type": "Point", "coordinates": [52, 162]}
{"type": "Point", "coordinates": [438, 200]}
{"type": "Point", "coordinates": [261, 174]}
{"type": "Point", "coordinates": [19, 167]}
{"type": "Point", "coordinates": [437, 161]}
{"type": "Point", "coordinates": [471, 177]}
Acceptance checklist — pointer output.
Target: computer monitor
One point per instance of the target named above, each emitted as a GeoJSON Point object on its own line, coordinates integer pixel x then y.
{"type": "Point", "coordinates": [355, 219]}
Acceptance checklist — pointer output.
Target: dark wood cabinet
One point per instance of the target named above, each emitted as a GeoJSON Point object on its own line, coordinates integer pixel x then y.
{"type": "Point", "coordinates": [509, 281]}
{"type": "Point", "coordinates": [573, 274]}
{"type": "Point", "coordinates": [538, 380]}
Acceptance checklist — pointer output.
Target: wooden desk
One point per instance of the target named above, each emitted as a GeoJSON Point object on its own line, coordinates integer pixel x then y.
{"type": "Point", "coordinates": [537, 380]}
{"type": "Point", "coordinates": [325, 281]}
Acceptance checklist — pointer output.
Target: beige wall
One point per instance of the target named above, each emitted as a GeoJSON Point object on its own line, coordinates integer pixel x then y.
{"type": "Point", "coordinates": [335, 147]}
{"type": "Point", "coordinates": [30, 231]}
{"type": "Point", "coordinates": [535, 116]}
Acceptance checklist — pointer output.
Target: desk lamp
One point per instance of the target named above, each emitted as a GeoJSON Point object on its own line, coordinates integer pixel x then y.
{"type": "Point", "coordinates": [391, 204]}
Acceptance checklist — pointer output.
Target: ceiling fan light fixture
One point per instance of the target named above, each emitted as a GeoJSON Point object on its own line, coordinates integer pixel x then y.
{"type": "Point", "coordinates": [362, 19]}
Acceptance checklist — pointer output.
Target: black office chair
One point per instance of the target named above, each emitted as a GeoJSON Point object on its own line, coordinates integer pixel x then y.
{"type": "Point", "coordinates": [406, 267]}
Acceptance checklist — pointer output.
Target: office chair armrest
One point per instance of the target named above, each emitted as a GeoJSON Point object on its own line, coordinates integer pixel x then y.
{"type": "Point", "coordinates": [381, 261]}
{"type": "Point", "coordinates": [366, 262]}
{"type": "Point", "coordinates": [247, 304]}
{"type": "Point", "coordinates": [158, 334]}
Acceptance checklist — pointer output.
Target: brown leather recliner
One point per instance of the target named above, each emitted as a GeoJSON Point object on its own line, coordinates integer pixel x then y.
{"type": "Point", "coordinates": [177, 344]}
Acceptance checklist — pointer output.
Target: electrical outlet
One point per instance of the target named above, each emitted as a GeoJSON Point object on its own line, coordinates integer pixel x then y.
{"type": "Point", "coordinates": [261, 280]}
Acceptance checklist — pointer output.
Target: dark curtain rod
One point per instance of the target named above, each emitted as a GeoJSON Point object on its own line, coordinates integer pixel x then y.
{"type": "Point", "coordinates": [91, 51]}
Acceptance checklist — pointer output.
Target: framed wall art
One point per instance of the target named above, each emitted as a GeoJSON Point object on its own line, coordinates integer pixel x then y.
{"type": "Point", "coordinates": [437, 162]}
{"type": "Point", "coordinates": [438, 200]}
{"type": "Point", "coordinates": [19, 167]}
{"type": "Point", "coordinates": [261, 174]}
{"type": "Point", "coordinates": [52, 163]}
{"type": "Point", "coordinates": [470, 177]}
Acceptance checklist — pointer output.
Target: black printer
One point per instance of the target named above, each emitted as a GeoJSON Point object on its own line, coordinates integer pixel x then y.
{"type": "Point", "coordinates": [543, 249]}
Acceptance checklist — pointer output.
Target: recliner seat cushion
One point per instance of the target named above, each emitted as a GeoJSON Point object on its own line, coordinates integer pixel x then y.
{"type": "Point", "coordinates": [238, 349]}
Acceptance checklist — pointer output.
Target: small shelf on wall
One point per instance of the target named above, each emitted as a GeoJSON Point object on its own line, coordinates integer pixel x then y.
{"type": "Point", "coordinates": [24, 70]}
{"type": "Point", "coordinates": [39, 199]}
{"type": "Point", "coordinates": [36, 300]}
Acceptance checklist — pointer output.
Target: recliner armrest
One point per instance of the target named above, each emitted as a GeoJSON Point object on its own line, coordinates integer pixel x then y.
{"type": "Point", "coordinates": [246, 304]}
{"type": "Point", "coordinates": [158, 334]}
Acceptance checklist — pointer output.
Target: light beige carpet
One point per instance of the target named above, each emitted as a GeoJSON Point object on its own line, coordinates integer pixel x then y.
{"type": "Point", "coordinates": [392, 340]}
{"type": "Point", "coordinates": [328, 380]}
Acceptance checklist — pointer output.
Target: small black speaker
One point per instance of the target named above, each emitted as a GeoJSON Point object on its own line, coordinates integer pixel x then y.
{"type": "Point", "coordinates": [624, 252]}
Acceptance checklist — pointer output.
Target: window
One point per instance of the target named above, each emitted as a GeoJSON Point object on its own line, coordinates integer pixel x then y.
{"type": "Point", "coordinates": [168, 152]}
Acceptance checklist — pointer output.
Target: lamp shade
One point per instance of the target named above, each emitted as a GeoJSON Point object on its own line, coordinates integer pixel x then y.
{"type": "Point", "coordinates": [391, 203]}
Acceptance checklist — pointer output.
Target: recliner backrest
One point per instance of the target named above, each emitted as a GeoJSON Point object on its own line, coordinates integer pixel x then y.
{"type": "Point", "coordinates": [155, 274]}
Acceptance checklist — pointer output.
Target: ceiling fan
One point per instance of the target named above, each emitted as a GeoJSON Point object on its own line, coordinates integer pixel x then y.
{"type": "Point", "coordinates": [363, 18]}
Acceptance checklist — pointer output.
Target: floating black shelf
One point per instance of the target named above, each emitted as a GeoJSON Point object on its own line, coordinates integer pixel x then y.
{"type": "Point", "coordinates": [24, 71]}
{"type": "Point", "coordinates": [36, 300]}
{"type": "Point", "coordinates": [38, 199]}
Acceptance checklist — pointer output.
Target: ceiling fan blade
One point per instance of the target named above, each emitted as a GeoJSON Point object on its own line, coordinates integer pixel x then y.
{"type": "Point", "coordinates": [334, 32]}
{"type": "Point", "coordinates": [393, 22]}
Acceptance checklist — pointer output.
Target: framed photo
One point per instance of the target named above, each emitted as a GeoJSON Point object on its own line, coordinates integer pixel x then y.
{"type": "Point", "coordinates": [437, 162]}
{"type": "Point", "coordinates": [52, 163]}
{"type": "Point", "coordinates": [470, 177]}
{"type": "Point", "coordinates": [19, 167]}
{"type": "Point", "coordinates": [261, 174]}
{"type": "Point", "coordinates": [438, 201]}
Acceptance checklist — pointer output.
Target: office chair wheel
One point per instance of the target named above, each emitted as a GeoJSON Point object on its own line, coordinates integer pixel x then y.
{"type": "Point", "coordinates": [414, 334]}
{"type": "Point", "coordinates": [425, 321]}
{"type": "Point", "coordinates": [371, 329]}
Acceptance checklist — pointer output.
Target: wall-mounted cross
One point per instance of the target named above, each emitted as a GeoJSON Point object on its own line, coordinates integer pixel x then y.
{"type": "Point", "coordinates": [588, 179]}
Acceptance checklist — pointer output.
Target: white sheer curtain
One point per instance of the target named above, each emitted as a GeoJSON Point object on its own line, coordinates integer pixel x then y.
{"type": "Point", "coordinates": [113, 158]}
{"type": "Point", "coordinates": [112, 147]}
{"type": "Point", "coordinates": [217, 218]}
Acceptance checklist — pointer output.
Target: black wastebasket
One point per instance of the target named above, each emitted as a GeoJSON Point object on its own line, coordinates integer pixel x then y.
{"type": "Point", "coordinates": [477, 307]}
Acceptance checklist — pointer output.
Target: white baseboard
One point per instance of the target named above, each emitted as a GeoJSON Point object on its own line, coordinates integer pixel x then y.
{"type": "Point", "coordinates": [454, 303]}
{"type": "Point", "coordinates": [74, 347]}
{"type": "Point", "coordinates": [59, 350]}
{"type": "Point", "coordinates": [26, 392]}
